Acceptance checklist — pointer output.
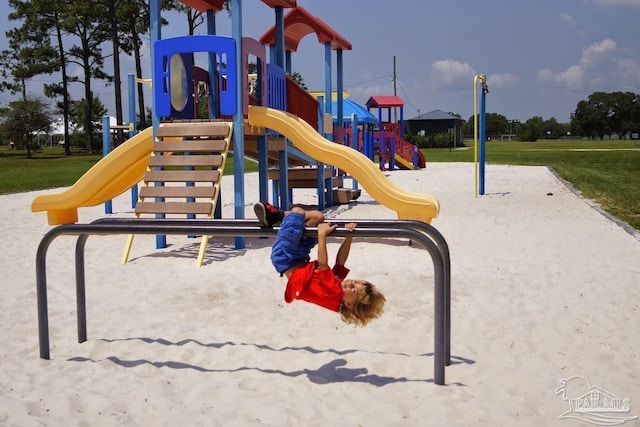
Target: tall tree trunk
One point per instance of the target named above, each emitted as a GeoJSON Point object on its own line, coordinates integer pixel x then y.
{"type": "Point", "coordinates": [88, 95]}
{"type": "Point", "coordinates": [140, 86]}
{"type": "Point", "coordinates": [116, 68]}
{"type": "Point", "coordinates": [65, 90]}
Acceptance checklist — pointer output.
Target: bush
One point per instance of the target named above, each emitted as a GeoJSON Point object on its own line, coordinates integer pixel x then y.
{"type": "Point", "coordinates": [443, 140]}
{"type": "Point", "coordinates": [439, 140]}
{"type": "Point", "coordinates": [419, 140]}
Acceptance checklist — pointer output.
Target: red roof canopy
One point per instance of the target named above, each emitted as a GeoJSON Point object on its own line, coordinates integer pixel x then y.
{"type": "Point", "coordinates": [216, 5]}
{"type": "Point", "coordinates": [284, 3]}
{"type": "Point", "coordinates": [384, 101]}
{"type": "Point", "coordinates": [204, 5]}
{"type": "Point", "coordinates": [297, 24]}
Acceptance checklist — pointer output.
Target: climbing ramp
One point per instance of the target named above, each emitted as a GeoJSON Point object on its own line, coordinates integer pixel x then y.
{"type": "Point", "coordinates": [184, 173]}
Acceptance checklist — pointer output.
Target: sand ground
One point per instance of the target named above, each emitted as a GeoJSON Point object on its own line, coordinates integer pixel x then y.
{"type": "Point", "coordinates": [544, 287]}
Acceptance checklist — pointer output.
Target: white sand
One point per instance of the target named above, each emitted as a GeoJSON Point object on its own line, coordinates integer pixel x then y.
{"type": "Point", "coordinates": [544, 287]}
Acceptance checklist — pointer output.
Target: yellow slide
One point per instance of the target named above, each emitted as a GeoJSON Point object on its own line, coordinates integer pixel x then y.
{"type": "Point", "coordinates": [111, 176]}
{"type": "Point", "coordinates": [408, 205]}
{"type": "Point", "coordinates": [404, 163]}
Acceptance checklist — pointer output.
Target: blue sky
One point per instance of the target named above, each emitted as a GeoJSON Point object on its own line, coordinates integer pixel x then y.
{"type": "Point", "coordinates": [540, 57]}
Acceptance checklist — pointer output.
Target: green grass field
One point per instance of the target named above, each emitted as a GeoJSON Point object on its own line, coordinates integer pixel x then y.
{"type": "Point", "coordinates": [50, 168]}
{"type": "Point", "coordinates": [607, 172]}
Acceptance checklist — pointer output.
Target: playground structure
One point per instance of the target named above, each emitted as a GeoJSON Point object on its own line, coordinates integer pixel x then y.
{"type": "Point", "coordinates": [293, 137]}
{"type": "Point", "coordinates": [374, 135]}
{"type": "Point", "coordinates": [389, 136]}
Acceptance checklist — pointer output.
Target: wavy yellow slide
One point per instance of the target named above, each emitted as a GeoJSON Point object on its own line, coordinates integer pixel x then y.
{"type": "Point", "coordinates": [111, 176]}
{"type": "Point", "coordinates": [408, 205]}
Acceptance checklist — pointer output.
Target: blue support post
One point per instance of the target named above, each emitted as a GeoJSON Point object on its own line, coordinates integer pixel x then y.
{"type": "Point", "coordinates": [238, 121]}
{"type": "Point", "coordinates": [322, 188]}
{"type": "Point", "coordinates": [263, 167]}
{"type": "Point", "coordinates": [392, 153]}
{"type": "Point", "coordinates": [214, 112]}
{"type": "Point", "coordinates": [327, 84]}
{"type": "Point", "coordinates": [288, 62]}
{"type": "Point", "coordinates": [339, 89]}
{"type": "Point", "coordinates": [355, 139]}
{"type": "Point", "coordinates": [156, 34]}
{"type": "Point", "coordinates": [279, 48]}
{"type": "Point", "coordinates": [482, 150]}
{"type": "Point", "coordinates": [106, 148]}
{"type": "Point", "coordinates": [214, 98]}
{"type": "Point", "coordinates": [133, 127]}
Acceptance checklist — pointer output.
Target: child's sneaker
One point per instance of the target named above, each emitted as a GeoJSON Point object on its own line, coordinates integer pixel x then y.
{"type": "Point", "coordinates": [267, 214]}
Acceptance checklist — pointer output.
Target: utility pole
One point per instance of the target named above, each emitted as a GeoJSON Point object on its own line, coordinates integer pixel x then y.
{"type": "Point", "coordinates": [395, 92]}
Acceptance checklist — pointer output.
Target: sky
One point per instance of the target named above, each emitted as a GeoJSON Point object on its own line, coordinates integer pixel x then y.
{"type": "Point", "coordinates": [540, 57]}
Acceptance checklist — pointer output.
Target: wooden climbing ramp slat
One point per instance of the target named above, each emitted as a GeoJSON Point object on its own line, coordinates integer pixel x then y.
{"type": "Point", "coordinates": [184, 173]}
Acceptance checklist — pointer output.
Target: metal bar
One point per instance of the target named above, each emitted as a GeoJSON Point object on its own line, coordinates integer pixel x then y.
{"type": "Point", "coordinates": [41, 294]}
{"type": "Point", "coordinates": [416, 231]}
{"type": "Point", "coordinates": [420, 226]}
{"type": "Point", "coordinates": [81, 296]}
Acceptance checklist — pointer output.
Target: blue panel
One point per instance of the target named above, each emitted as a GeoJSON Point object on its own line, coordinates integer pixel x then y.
{"type": "Point", "coordinates": [350, 108]}
{"type": "Point", "coordinates": [276, 87]}
{"type": "Point", "coordinates": [224, 47]}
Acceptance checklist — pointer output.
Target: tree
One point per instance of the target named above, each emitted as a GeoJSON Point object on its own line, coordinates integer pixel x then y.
{"type": "Point", "coordinates": [531, 129]}
{"type": "Point", "coordinates": [79, 116]}
{"type": "Point", "coordinates": [591, 115]}
{"type": "Point", "coordinates": [625, 109]}
{"type": "Point", "coordinates": [42, 18]}
{"type": "Point", "coordinates": [24, 119]}
{"type": "Point", "coordinates": [556, 129]}
{"type": "Point", "coordinates": [298, 79]}
{"type": "Point", "coordinates": [133, 16]}
{"type": "Point", "coordinates": [195, 18]}
{"type": "Point", "coordinates": [114, 24]}
{"type": "Point", "coordinates": [86, 21]}
{"type": "Point", "coordinates": [607, 113]}
{"type": "Point", "coordinates": [30, 52]}
{"type": "Point", "coordinates": [495, 124]}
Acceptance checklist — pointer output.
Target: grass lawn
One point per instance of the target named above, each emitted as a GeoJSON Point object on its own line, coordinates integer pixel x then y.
{"type": "Point", "coordinates": [605, 171]}
{"type": "Point", "coordinates": [50, 168]}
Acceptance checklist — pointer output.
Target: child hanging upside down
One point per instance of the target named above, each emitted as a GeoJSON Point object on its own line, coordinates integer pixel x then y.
{"type": "Point", "coordinates": [357, 301]}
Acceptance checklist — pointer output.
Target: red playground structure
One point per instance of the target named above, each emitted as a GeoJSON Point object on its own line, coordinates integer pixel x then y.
{"type": "Point", "coordinates": [388, 140]}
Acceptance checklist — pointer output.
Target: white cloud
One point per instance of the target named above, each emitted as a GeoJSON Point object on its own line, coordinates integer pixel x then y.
{"type": "Point", "coordinates": [568, 19]}
{"type": "Point", "coordinates": [594, 52]}
{"type": "Point", "coordinates": [587, 71]}
{"type": "Point", "coordinates": [450, 73]}
{"type": "Point", "coordinates": [572, 77]}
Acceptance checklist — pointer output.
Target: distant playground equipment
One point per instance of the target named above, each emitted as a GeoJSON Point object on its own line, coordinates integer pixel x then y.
{"type": "Point", "coordinates": [373, 135]}
{"type": "Point", "coordinates": [180, 160]}
{"type": "Point", "coordinates": [389, 139]}
{"type": "Point", "coordinates": [479, 131]}
{"type": "Point", "coordinates": [408, 206]}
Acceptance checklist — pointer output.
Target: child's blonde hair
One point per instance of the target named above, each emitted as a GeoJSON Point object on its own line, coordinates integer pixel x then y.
{"type": "Point", "coordinates": [370, 306]}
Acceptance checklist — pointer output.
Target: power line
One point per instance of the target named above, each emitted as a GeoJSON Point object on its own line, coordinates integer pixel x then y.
{"type": "Point", "coordinates": [407, 98]}
{"type": "Point", "coordinates": [386, 76]}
